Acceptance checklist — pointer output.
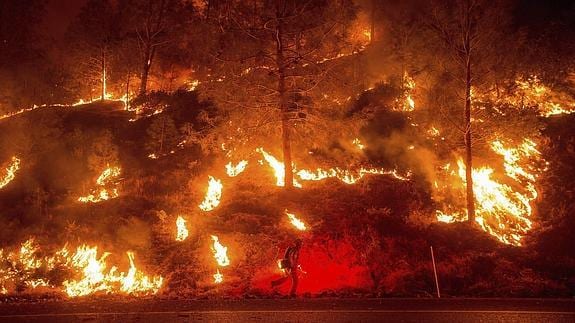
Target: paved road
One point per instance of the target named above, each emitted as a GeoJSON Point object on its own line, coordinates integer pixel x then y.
{"type": "Point", "coordinates": [300, 310]}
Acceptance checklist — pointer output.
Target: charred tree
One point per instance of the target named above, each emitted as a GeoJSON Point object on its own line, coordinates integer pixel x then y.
{"type": "Point", "coordinates": [278, 66]}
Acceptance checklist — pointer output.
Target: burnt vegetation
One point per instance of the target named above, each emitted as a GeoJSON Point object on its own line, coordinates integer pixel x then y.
{"type": "Point", "coordinates": [385, 127]}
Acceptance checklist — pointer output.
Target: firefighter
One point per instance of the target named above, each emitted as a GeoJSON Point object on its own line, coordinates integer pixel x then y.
{"type": "Point", "coordinates": [290, 266]}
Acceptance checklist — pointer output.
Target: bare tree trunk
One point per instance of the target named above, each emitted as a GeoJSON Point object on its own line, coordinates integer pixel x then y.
{"type": "Point", "coordinates": [145, 69]}
{"type": "Point", "coordinates": [150, 42]}
{"type": "Point", "coordinates": [284, 104]}
{"type": "Point", "coordinates": [103, 97]}
{"type": "Point", "coordinates": [128, 92]}
{"type": "Point", "coordinates": [468, 151]}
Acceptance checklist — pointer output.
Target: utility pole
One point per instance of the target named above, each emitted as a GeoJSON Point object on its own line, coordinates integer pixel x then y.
{"type": "Point", "coordinates": [435, 272]}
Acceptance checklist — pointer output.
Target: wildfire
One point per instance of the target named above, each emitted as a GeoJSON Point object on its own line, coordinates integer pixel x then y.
{"type": "Point", "coordinates": [90, 271]}
{"type": "Point", "coordinates": [218, 277]}
{"type": "Point", "coordinates": [235, 170]}
{"type": "Point", "coordinates": [96, 278]}
{"type": "Point", "coordinates": [297, 223]}
{"type": "Point", "coordinates": [220, 252]}
{"type": "Point", "coordinates": [278, 168]}
{"type": "Point", "coordinates": [409, 85]}
{"type": "Point", "coordinates": [10, 172]}
{"type": "Point", "coordinates": [503, 210]}
{"type": "Point", "coordinates": [358, 144]}
{"type": "Point", "coordinates": [104, 192]}
{"type": "Point", "coordinates": [213, 195]}
{"type": "Point", "coordinates": [182, 231]}
{"type": "Point", "coordinates": [534, 93]}
{"type": "Point", "coordinates": [347, 176]}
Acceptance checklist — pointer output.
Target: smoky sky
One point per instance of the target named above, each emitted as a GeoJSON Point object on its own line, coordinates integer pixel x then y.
{"type": "Point", "coordinates": [58, 15]}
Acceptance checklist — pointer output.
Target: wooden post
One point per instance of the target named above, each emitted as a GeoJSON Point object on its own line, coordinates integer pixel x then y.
{"type": "Point", "coordinates": [435, 272]}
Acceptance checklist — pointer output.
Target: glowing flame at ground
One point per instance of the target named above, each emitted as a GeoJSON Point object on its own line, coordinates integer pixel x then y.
{"type": "Point", "coordinates": [213, 195]}
{"type": "Point", "coordinates": [106, 189]}
{"type": "Point", "coordinates": [220, 252]}
{"type": "Point", "coordinates": [96, 278]}
{"type": "Point", "coordinates": [503, 208]}
{"type": "Point", "coordinates": [297, 223]}
{"type": "Point", "coordinates": [182, 231]}
{"type": "Point", "coordinates": [10, 172]}
{"type": "Point", "coordinates": [347, 176]}
{"type": "Point", "coordinates": [218, 277]}
{"type": "Point", "coordinates": [91, 273]}
{"type": "Point", "coordinates": [278, 168]}
{"type": "Point", "coordinates": [235, 170]}
{"type": "Point", "coordinates": [533, 92]}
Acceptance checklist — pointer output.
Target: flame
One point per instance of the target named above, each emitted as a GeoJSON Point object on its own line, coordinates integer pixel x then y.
{"type": "Point", "coordinates": [103, 192]}
{"type": "Point", "coordinates": [346, 176]}
{"type": "Point", "coordinates": [408, 85]}
{"type": "Point", "coordinates": [182, 231]}
{"type": "Point", "coordinates": [233, 171]}
{"type": "Point", "coordinates": [503, 210]}
{"type": "Point", "coordinates": [297, 223]}
{"type": "Point", "coordinates": [533, 92]}
{"type": "Point", "coordinates": [367, 34]}
{"type": "Point", "coordinates": [96, 278]}
{"type": "Point", "coordinates": [108, 96]}
{"type": "Point", "coordinates": [220, 252]}
{"type": "Point", "coordinates": [213, 195]}
{"type": "Point", "coordinates": [358, 144]}
{"type": "Point", "coordinates": [278, 168]}
{"type": "Point", "coordinates": [218, 277]}
{"type": "Point", "coordinates": [10, 172]}
{"type": "Point", "coordinates": [90, 271]}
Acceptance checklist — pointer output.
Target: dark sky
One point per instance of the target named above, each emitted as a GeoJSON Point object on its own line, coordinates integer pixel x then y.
{"type": "Point", "coordinates": [59, 13]}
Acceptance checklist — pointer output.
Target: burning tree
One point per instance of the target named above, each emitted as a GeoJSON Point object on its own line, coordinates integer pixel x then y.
{"type": "Point", "coordinates": [274, 64]}
{"type": "Point", "coordinates": [469, 31]}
